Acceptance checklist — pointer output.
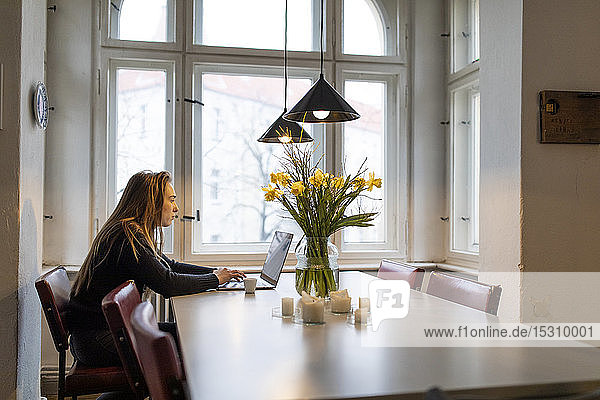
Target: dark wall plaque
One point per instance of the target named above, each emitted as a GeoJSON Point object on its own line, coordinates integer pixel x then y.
{"type": "Point", "coordinates": [569, 117]}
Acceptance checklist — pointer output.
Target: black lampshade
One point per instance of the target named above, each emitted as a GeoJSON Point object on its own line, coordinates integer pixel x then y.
{"type": "Point", "coordinates": [282, 131]}
{"type": "Point", "coordinates": [322, 98]}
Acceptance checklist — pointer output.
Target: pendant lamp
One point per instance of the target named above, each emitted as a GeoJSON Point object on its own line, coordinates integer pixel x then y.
{"type": "Point", "coordinates": [282, 131]}
{"type": "Point", "coordinates": [322, 103]}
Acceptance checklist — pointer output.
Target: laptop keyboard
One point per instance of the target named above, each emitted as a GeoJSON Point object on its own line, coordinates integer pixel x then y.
{"type": "Point", "coordinates": [259, 283]}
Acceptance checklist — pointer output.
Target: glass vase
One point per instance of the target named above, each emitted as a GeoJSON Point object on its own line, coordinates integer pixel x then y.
{"type": "Point", "coordinates": [317, 271]}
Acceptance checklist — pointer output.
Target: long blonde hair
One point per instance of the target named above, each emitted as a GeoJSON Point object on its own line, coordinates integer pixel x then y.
{"type": "Point", "coordinates": [138, 214]}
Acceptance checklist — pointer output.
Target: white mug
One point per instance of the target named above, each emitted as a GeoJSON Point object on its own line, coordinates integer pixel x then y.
{"type": "Point", "coordinates": [250, 285]}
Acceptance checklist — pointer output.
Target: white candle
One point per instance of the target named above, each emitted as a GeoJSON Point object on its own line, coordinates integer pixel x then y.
{"type": "Point", "coordinates": [312, 311]}
{"type": "Point", "coordinates": [287, 306]}
{"type": "Point", "coordinates": [364, 302]}
{"type": "Point", "coordinates": [340, 301]}
{"type": "Point", "coordinates": [360, 316]}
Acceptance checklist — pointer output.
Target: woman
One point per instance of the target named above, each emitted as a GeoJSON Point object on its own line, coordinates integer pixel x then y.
{"type": "Point", "coordinates": [126, 248]}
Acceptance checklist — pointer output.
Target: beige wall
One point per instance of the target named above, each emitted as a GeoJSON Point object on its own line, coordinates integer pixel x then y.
{"type": "Point", "coordinates": [560, 182]}
{"type": "Point", "coordinates": [539, 202]}
{"type": "Point", "coordinates": [22, 51]}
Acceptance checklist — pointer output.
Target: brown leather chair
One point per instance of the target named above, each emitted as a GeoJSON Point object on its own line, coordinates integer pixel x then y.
{"type": "Point", "coordinates": [117, 307]}
{"type": "Point", "coordinates": [159, 358]}
{"type": "Point", "coordinates": [393, 270]}
{"type": "Point", "coordinates": [53, 289]}
{"type": "Point", "coordinates": [467, 292]}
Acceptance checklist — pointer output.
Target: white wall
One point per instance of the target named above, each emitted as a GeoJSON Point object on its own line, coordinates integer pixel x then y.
{"type": "Point", "coordinates": [500, 189]}
{"type": "Point", "coordinates": [428, 152]}
{"type": "Point", "coordinates": [560, 182]}
{"type": "Point", "coordinates": [22, 51]}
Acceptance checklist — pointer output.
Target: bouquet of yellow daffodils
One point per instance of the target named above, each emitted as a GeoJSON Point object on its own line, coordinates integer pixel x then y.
{"type": "Point", "coordinates": [318, 202]}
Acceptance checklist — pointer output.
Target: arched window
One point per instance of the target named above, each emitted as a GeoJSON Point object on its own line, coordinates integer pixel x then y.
{"type": "Point", "coordinates": [142, 20]}
{"type": "Point", "coordinates": [364, 28]}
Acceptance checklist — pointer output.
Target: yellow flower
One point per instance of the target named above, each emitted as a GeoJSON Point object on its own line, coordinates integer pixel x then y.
{"type": "Point", "coordinates": [273, 177]}
{"type": "Point", "coordinates": [337, 182]}
{"type": "Point", "coordinates": [373, 182]}
{"type": "Point", "coordinates": [283, 178]}
{"type": "Point", "coordinates": [317, 179]}
{"type": "Point", "coordinates": [272, 193]}
{"type": "Point", "coordinates": [359, 183]}
{"type": "Point", "coordinates": [280, 178]}
{"type": "Point", "coordinates": [297, 188]}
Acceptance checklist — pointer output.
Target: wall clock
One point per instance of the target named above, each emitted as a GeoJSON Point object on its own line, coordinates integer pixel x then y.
{"type": "Point", "coordinates": [40, 105]}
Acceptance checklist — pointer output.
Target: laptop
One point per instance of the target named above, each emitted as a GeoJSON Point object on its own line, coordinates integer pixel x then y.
{"type": "Point", "coordinates": [272, 267]}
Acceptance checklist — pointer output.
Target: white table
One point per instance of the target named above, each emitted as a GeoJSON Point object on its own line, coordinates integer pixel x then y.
{"type": "Point", "coordinates": [233, 348]}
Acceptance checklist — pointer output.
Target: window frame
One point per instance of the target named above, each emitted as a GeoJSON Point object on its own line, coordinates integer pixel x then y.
{"type": "Point", "coordinates": [399, 43]}
{"type": "Point", "coordinates": [467, 76]}
{"type": "Point", "coordinates": [471, 87]}
{"type": "Point", "coordinates": [107, 41]}
{"type": "Point", "coordinates": [473, 62]}
{"type": "Point", "coordinates": [395, 185]}
{"type": "Point", "coordinates": [194, 48]}
{"type": "Point", "coordinates": [183, 53]}
{"type": "Point", "coordinates": [242, 253]}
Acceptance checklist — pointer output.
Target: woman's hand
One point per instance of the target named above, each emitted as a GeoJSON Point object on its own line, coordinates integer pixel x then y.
{"type": "Point", "coordinates": [225, 275]}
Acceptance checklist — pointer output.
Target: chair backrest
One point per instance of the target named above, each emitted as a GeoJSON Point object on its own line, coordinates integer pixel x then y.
{"type": "Point", "coordinates": [159, 358]}
{"type": "Point", "coordinates": [117, 307]}
{"type": "Point", "coordinates": [478, 295]}
{"type": "Point", "coordinates": [54, 289]}
{"type": "Point", "coordinates": [394, 270]}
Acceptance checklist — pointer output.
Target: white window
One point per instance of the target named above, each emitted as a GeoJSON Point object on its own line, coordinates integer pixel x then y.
{"type": "Point", "coordinates": [464, 216]}
{"type": "Point", "coordinates": [159, 65]}
{"type": "Point", "coordinates": [464, 143]}
{"type": "Point", "coordinates": [464, 33]}
{"type": "Point", "coordinates": [141, 124]}
{"type": "Point", "coordinates": [239, 104]}
{"type": "Point", "coordinates": [142, 20]}
{"type": "Point", "coordinates": [372, 27]}
{"type": "Point", "coordinates": [373, 138]}
{"type": "Point", "coordinates": [257, 24]}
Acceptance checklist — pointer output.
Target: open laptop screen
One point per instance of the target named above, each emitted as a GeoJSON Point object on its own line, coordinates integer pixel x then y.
{"type": "Point", "coordinates": [276, 256]}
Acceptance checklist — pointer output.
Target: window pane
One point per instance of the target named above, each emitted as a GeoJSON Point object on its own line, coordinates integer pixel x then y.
{"type": "Point", "coordinates": [257, 24]}
{"type": "Point", "coordinates": [142, 20]}
{"type": "Point", "coordinates": [363, 28]}
{"type": "Point", "coordinates": [364, 138]}
{"type": "Point", "coordinates": [141, 127]}
{"type": "Point", "coordinates": [465, 171]}
{"type": "Point", "coordinates": [230, 166]}
{"type": "Point", "coordinates": [465, 33]}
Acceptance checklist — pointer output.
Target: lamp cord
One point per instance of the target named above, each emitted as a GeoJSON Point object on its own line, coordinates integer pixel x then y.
{"type": "Point", "coordinates": [321, 37]}
{"type": "Point", "coordinates": [285, 75]}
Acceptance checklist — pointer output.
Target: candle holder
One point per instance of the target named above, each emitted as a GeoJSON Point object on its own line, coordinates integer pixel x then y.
{"type": "Point", "coordinates": [351, 319]}
{"type": "Point", "coordinates": [297, 318]}
{"type": "Point", "coordinates": [276, 313]}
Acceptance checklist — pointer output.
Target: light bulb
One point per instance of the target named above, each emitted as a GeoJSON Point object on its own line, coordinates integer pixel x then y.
{"type": "Point", "coordinates": [285, 139]}
{"type": "Point", "coordinates": [321, 114]}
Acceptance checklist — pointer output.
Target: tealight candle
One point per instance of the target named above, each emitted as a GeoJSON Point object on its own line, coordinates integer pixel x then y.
{"type": "Point", "coordinates": [312, 312]}
{"type": "Point", "coordinates": [287, 306]}
{"type": "Point", "coordinates": [364, 302]}
{"type": "Point", "coordinates": [340, 301]}
{"type": "Point", "coordinates": [360, 316]}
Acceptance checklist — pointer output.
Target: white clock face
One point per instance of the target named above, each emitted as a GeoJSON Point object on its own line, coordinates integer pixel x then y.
{"type": "Point", "coordinates": [40, 105]}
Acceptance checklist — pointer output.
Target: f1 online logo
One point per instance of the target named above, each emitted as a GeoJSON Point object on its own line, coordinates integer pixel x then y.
{"type": "Point", "coordinates": [389, 299]}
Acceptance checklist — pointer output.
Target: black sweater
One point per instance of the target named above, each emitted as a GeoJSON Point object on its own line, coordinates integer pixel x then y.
{"type": "Point", "coordinates": [161, 274]}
